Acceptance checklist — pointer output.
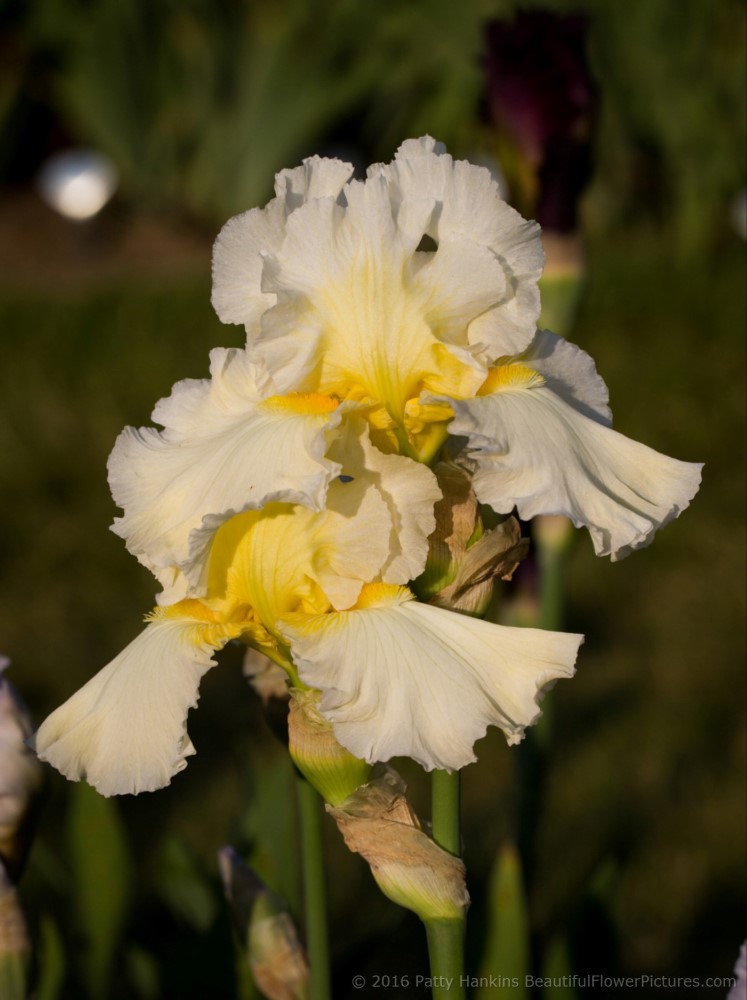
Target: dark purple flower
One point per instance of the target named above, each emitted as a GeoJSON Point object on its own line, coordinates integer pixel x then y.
{"type": "Point", "coordinates": [542, 97]}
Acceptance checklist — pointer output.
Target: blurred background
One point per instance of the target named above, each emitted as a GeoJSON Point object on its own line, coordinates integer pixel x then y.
{"type": "Point", "coordinates": [622, 128]}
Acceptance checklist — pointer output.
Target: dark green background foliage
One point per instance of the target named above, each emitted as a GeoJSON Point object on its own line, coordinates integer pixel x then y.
{"type": "Point", "coordinates": [637, 864]}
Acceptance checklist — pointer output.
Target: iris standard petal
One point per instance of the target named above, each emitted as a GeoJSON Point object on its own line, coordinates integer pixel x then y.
{"type": "Point", "coordinates": [468, 207]}
{"type": "Point", "coordinates": [409, 489]}
{"type": "Point", "coordinates": [353, 319]}
{"type": "Point", "coordinates": [238, 296]}
{"type": "Point", "coordinates": [362, 311]}
{"type": "Point", "coordinates": [237, 263]}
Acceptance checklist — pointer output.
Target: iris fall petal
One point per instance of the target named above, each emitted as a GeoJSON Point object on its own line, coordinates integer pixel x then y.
{"type": "Point", "coordinates": [125, 730]}
{"type": "Point", "coordinates": [540, 442]}
{"type": "Point", "coordinates": [400, 678]}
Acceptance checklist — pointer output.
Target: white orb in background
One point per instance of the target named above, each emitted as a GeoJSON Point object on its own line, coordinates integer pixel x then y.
{"type": "Point", "coordinates": [77, 183]}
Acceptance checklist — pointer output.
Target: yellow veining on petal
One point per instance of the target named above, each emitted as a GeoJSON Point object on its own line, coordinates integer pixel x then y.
{"type": "Point", "coordinates": [378, 346]}
{"type": "Point", "coordinates": [382, 595]}
{"type": "Point", "coordinates": [265, 559]}
{"type": "Point", "coordinates": [261, 566]}
{"type": "Point", "coordinates": [509, 378]}
{"type": "Point", "coordinates": [277, 561]}
{"type": "Point", "coordinates": [302, 403]}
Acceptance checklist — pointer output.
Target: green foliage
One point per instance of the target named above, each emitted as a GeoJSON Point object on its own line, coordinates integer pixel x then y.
{"type": "Point", "coordinates": [561, 294]}
{"type": "Point", "coordinates": [183, 886]}
{"type": "Point", "coordinates": [557, 967]}
{"type": "Point", "coordinates": [269, 827]}
{"type": "Point", "coordinates": [430, 77]}
{"type": "Point", "coordinates": [13, 979]}
{"type": "Point", "coordinates": [198, 103]}
{"type": "Point", "coordinates": [51, 961]}
{"type": "Point", "coordinates": [674, 112]}
{"type": "Point", "coordinates": [506, 953]}
{"type": "Point", "coordinates": [143, 973]}
{"type": "Point", "coordinates": [101, 869]}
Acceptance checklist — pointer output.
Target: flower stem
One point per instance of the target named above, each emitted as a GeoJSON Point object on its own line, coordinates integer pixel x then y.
{"type": "Point", "coordinates": [446, 937]}
{"type": "Point", "coordinates": [553, 535]}
{"type": "Point", "coordinates": [317, 942]}
{"type": "Point", "coordinates": [445, 811]}
{"type": "Point", "coordinates": [552, 586]}
{"type": "Point", "coordinates": [446, 952]}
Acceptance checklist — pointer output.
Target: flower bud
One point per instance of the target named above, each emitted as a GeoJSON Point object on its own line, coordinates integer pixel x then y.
{"type": "Point", "coordinates": [266, 930]}
{"type": "Point", "coordinates": [378, 823]}
{"type": "Point", "coordinates": [331, 769]}
{"type": "Point", "coordinates": [465, 556]}
{"type": "Point", "coordinates": [20, 776]}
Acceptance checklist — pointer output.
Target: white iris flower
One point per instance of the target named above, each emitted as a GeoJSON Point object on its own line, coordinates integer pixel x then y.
{"type": "Point", "coordinates": [288, 501]}
{"type": "Point", "coordinates": [340, 296]}
{"type": "Point", "coordinates": [398, 677]}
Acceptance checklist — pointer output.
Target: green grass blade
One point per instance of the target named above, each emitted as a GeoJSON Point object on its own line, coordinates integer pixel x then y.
{"type": "Point", "coordinates": [506, 960]}
{"type": "Point", "coordinates": [101, 868]}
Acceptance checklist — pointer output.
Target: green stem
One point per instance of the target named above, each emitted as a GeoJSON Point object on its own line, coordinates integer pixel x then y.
{"type": "Point", "coordinates": [446, 937]}
{"type": "Point", "coordinates": [317, 943]}
{"type": "Point", "coordinates": [552, 586]}
{"type": "Point", "coordinates": [552, 560]}
{"type": "Point", "coordinates": [446, 952]}
{"type": "Point", "coordinates": [445, 794]}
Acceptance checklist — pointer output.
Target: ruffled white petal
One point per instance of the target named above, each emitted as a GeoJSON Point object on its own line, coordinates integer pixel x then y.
{"type": "Point", "coordinates": [317, 177]}
{"type": "Point", "coordinates": [356, 316]}
{"type": "Point", "coordinates": [175, 585]}
{"type": "Point", "coordinates": [350, 541]}
{"type": "Point", "coordinates": [223, 449]}
{"type": "Point", "coordinates": [469, 207]}
{"type": "Point", "coordinates": [400, 678]}
{"type": "Point", "coordinates": [536, 448]}
{"type": "Point", "coordinates": [458, 283]}
{"type": "Point", "coordinates": [571, 373]}
{"type": "Point", "coordinates": [409, 489]}
{"type": "Point", "coordinates": [237, 263]}
{"type": "Point", "coordinates": [125, 730]}
{"type": "Point", "coordinates": [238, 296]}
{"type": "Point", "coordinates": [356, 310]}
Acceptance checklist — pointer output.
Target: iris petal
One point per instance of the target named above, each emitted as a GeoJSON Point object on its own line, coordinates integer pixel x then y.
{"type": "Point", "coordinates": [400, 678]}
{"type": "Point", "coordinates": [125, 730]}
{"type": "Point", "coordinates": [543, 445]}
{"type": "Point", "coordinates": [224, 448]}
